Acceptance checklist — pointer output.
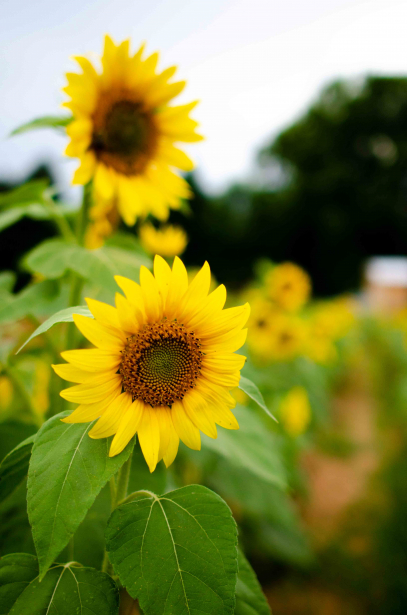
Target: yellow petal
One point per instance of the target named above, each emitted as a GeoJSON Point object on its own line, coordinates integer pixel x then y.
{"type": "Point", "coordinates": [130, 317]}
{"type": "Point", "coordinates": [86, 170]}
{"type": "Point", "coordinates": [211, 307]}
{"type": "Point", "coordinates": [196, 293]}
{"type": "Point", "coordinates": [227, 343]}
{"type": "Point", "coordinates": [92, 391]}
{"type": "Point", "coordinates": [175, 157]}
{"type": "Point", "coordinates": [104, 182]}
{"type": "Point", "coordinates": [177, 289]}
{"type": "Point", "coordinates": [225, 380]}
{"type": "Point", "coordinates": [103, 337]}
{"type": "Point", "coordinates": [105, 314]}
{"type": "Point", "coordinates": [196, 408]}
{"type": "Point", "coordinates": [223, 417]}
{"type": "Point", "coordinates": [172, 447]}
{"type": "Point", "coordinates": [184, 427]}
{"type": "Point", "coordinates": [127, 428]}
{"type": "Point", "coordinates": [89, 412]}
{"type": "Point", "coordinates": [151, 296]}
{"type": "Point", "coordinates": [224, 362]}
{"type": "Point", "coordinates": [149, 437]}
{"type": "Point", "coordinates": [109, 422]}
{"type": "Point", "coordinates": [162, 273]}
{"type": "Point", "coordinates": [71, 373]}
{"type": "Point", "coordinates": [230, 319]}
{"type": "Point", "coordinates": [163, 415]}
{"type": "Point", "coordinates": [92, 359]}
{"type": "Point", "coordinates": [132, 291]}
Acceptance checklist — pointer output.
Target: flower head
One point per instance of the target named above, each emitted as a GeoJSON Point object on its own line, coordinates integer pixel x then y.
{"type": "Point", "coordinates": [295, 411]}
{"type": "Point", "coordinates": [167, 241]}
{"type": "Point", "coordinates": [124, 131]}
{"type": "Point", "coordinates": [163, 365]}
{"type": "Point", "coordinates": [288, 286]}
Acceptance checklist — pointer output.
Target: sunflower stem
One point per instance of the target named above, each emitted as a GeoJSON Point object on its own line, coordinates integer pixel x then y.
{"type": "Point", "coordinates": [118, 492]}
{"type": "Point", "coordinates": [77, 282]}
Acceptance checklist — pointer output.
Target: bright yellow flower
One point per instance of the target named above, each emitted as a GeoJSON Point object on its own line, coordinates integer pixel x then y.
{"type": "Point", "coordinates": [287, 336]}
{"type": "Point", "coordinates": [260, 326]}
{"type": "Point", "coordinates": [163, 365]}
{"type": "Point", "coordinates": [288, 286]}
{"type": "Point", "coordinates": [124, 132]}
{"type": "Point", "coordinates": [167, 241]}
{"type": "Point", "coordinates": [295, 411]}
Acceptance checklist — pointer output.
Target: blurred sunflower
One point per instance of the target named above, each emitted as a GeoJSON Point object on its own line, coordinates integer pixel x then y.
{"type": "Point", "coordinates": [260, 325]}
{"type": "Point", "coordinates": [288, 286]}
{"type": "Point", "coordinates": [295, 411]}
{"type": "Point", "coordinates": [163, 365]}
{"type": "Point", "coordinates": [124, 132]}
{"type": "Point", "coordinates": [287, 335]}
{"type": "Point", "coordinates": [167, 241]}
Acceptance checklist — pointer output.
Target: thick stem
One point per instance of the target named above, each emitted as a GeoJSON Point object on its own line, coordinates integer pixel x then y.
{"type": "Point", "coordinates": [118, 493]}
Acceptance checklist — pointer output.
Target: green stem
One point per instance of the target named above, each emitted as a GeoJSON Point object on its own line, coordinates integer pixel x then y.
{"type": "Point", "coordinates": [59, 219]}
{"type": "Point", "coordinates": [118, 492]}
{"type": "Point", "coordinates": [77, 282]}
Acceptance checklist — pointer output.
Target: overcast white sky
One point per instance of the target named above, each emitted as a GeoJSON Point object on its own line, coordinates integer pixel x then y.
{"type": "Point", "coordinates": [254, 64]}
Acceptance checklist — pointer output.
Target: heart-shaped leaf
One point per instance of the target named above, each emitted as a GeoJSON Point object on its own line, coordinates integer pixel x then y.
{"type": "Point", "coordinates": [67, 471]}
{"type": "Point", "coordinates": [65, 589]}
{"type": "Point", "coordinates": [176, 553]}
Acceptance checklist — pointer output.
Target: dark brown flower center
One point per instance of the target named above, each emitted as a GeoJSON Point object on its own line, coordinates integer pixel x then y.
{"type": "Point", "coordinates": [161, 363]}
{"type": "Point", "coordinates": [124, 135]}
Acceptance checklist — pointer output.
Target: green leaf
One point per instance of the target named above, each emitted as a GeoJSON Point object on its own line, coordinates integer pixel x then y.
{"type": "Point", "coordinates": [36, 300]}
{"type": "Point", "coordinates": [248, 387]}
{"type": "Point", "coordinates": [13, 433]}
{"type": "Point", "coordinates": [65, 315]}
{"type": "Point", "coordinates": [15, 535]}
{"type": "Point", "coordinates": [67, 471]}
{"type": "Point", "coordinates": [55, 257]}
{"type": "Point", "coordinates": [14, 214]}
{"type": "Point", "coordinates": [253, 447]}
{"type": "Point", "coordinates": [250, 599]}
{"type": "Point", "coordinates": [7, 281]}
{"type": "Point", "coordinates": [176, 553]}
{"type": "Point", "coordinates": [48, 121]}
{"type": "Point", "coordinates": [26, 194]}
{"type": "Point", "coordinates": [14, 467]}
{"type": "Point", "coordinates": [66, 589]}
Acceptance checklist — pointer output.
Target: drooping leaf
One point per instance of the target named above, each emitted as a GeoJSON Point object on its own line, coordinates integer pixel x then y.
{"type": "Point", "coordinates": [55, 257]}
{"type": "Point", "coordinates": [67, 471]}
{"type": "Point", "coordinates": [65, 315]}
{"type": "Point", "coordinates": [176, 553]}
{"type": "Point", "coordinates": [48, 121]}
{"type": "Point", "coordinates": [251, 389]}
{"type": "Point", "coordinates": [250, 599]}
{"type": "Point", "coordinates": [252, 447]}
{"type": "Point", "coordinates": [14, 467]}
{"type": "Point", "coordinates": [13, 215]}
{"type": "Point", "coordinates": [66, 589]}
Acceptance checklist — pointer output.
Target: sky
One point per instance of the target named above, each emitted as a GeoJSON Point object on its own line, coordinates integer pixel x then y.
{"type": "Point", "coordinates": [255, 65]}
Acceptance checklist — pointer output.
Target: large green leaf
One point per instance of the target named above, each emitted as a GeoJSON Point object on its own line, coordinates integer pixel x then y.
{"type": "Point", "coordinates": [253, 447]}
{"type": "Point", "coordinates": [252, 390]}
{"type": "Point", "coordinates": [15, 535]}
{"type": "Point", "coordinates": [176, 553]}
{"type": "Point", "coordinates": [66, 589]}
{"type": "Point", "coordinates": [67, 471]}
{"type": "Point", "coordinates": [55, 257]}
{"type": "Point", "coordinates": [65, 315]}
{"type": "Point", "coordinates": [250, 599]}
{"type": "Point", "coordinates": [14, 467]}
{"type": "Point", "coordinates": [48, 121]}
{"type": "Point", "coordinates": [36, 300]}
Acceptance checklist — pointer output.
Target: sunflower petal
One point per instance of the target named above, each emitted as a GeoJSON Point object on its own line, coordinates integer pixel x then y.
{"type": "Point", "coordinates": [127, 428]}
{"type": "Point", "coordinates": [184, 427]}
{"type": "Point", "coordinates": [149, 437]}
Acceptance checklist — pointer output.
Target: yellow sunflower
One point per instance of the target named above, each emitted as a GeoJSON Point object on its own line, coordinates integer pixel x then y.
{"type": "Point", "coordinates": [167, 241]}
{"type": "Point", "coordinates": [163, 365]}
{"type": "Point", "coordinates": [288, 286]}
{"type": "Point", "coordinates": [124, 131]}
{"type": "Point", "coordinates": [295, 411]}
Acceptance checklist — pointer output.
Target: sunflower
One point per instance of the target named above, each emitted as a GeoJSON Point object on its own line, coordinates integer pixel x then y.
{"type": "Point", "coordinates": [295, 411]}
{"type": "Point", "coordinates": [167, 241]}
{"type": "Point", "coordinates": [163, 365]}
{"type": "Point", "coordinates": [288, 286]}
{"type": "Point", "coordinates": [286, 337]}
{"type": "Point", "coordinates": [124, 132]}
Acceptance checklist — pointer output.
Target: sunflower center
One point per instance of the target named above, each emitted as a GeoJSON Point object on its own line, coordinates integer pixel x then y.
{"type": "Point", "coordinates": [124, 136]}
{"type": "Point", "coordinates": [161, 363]}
